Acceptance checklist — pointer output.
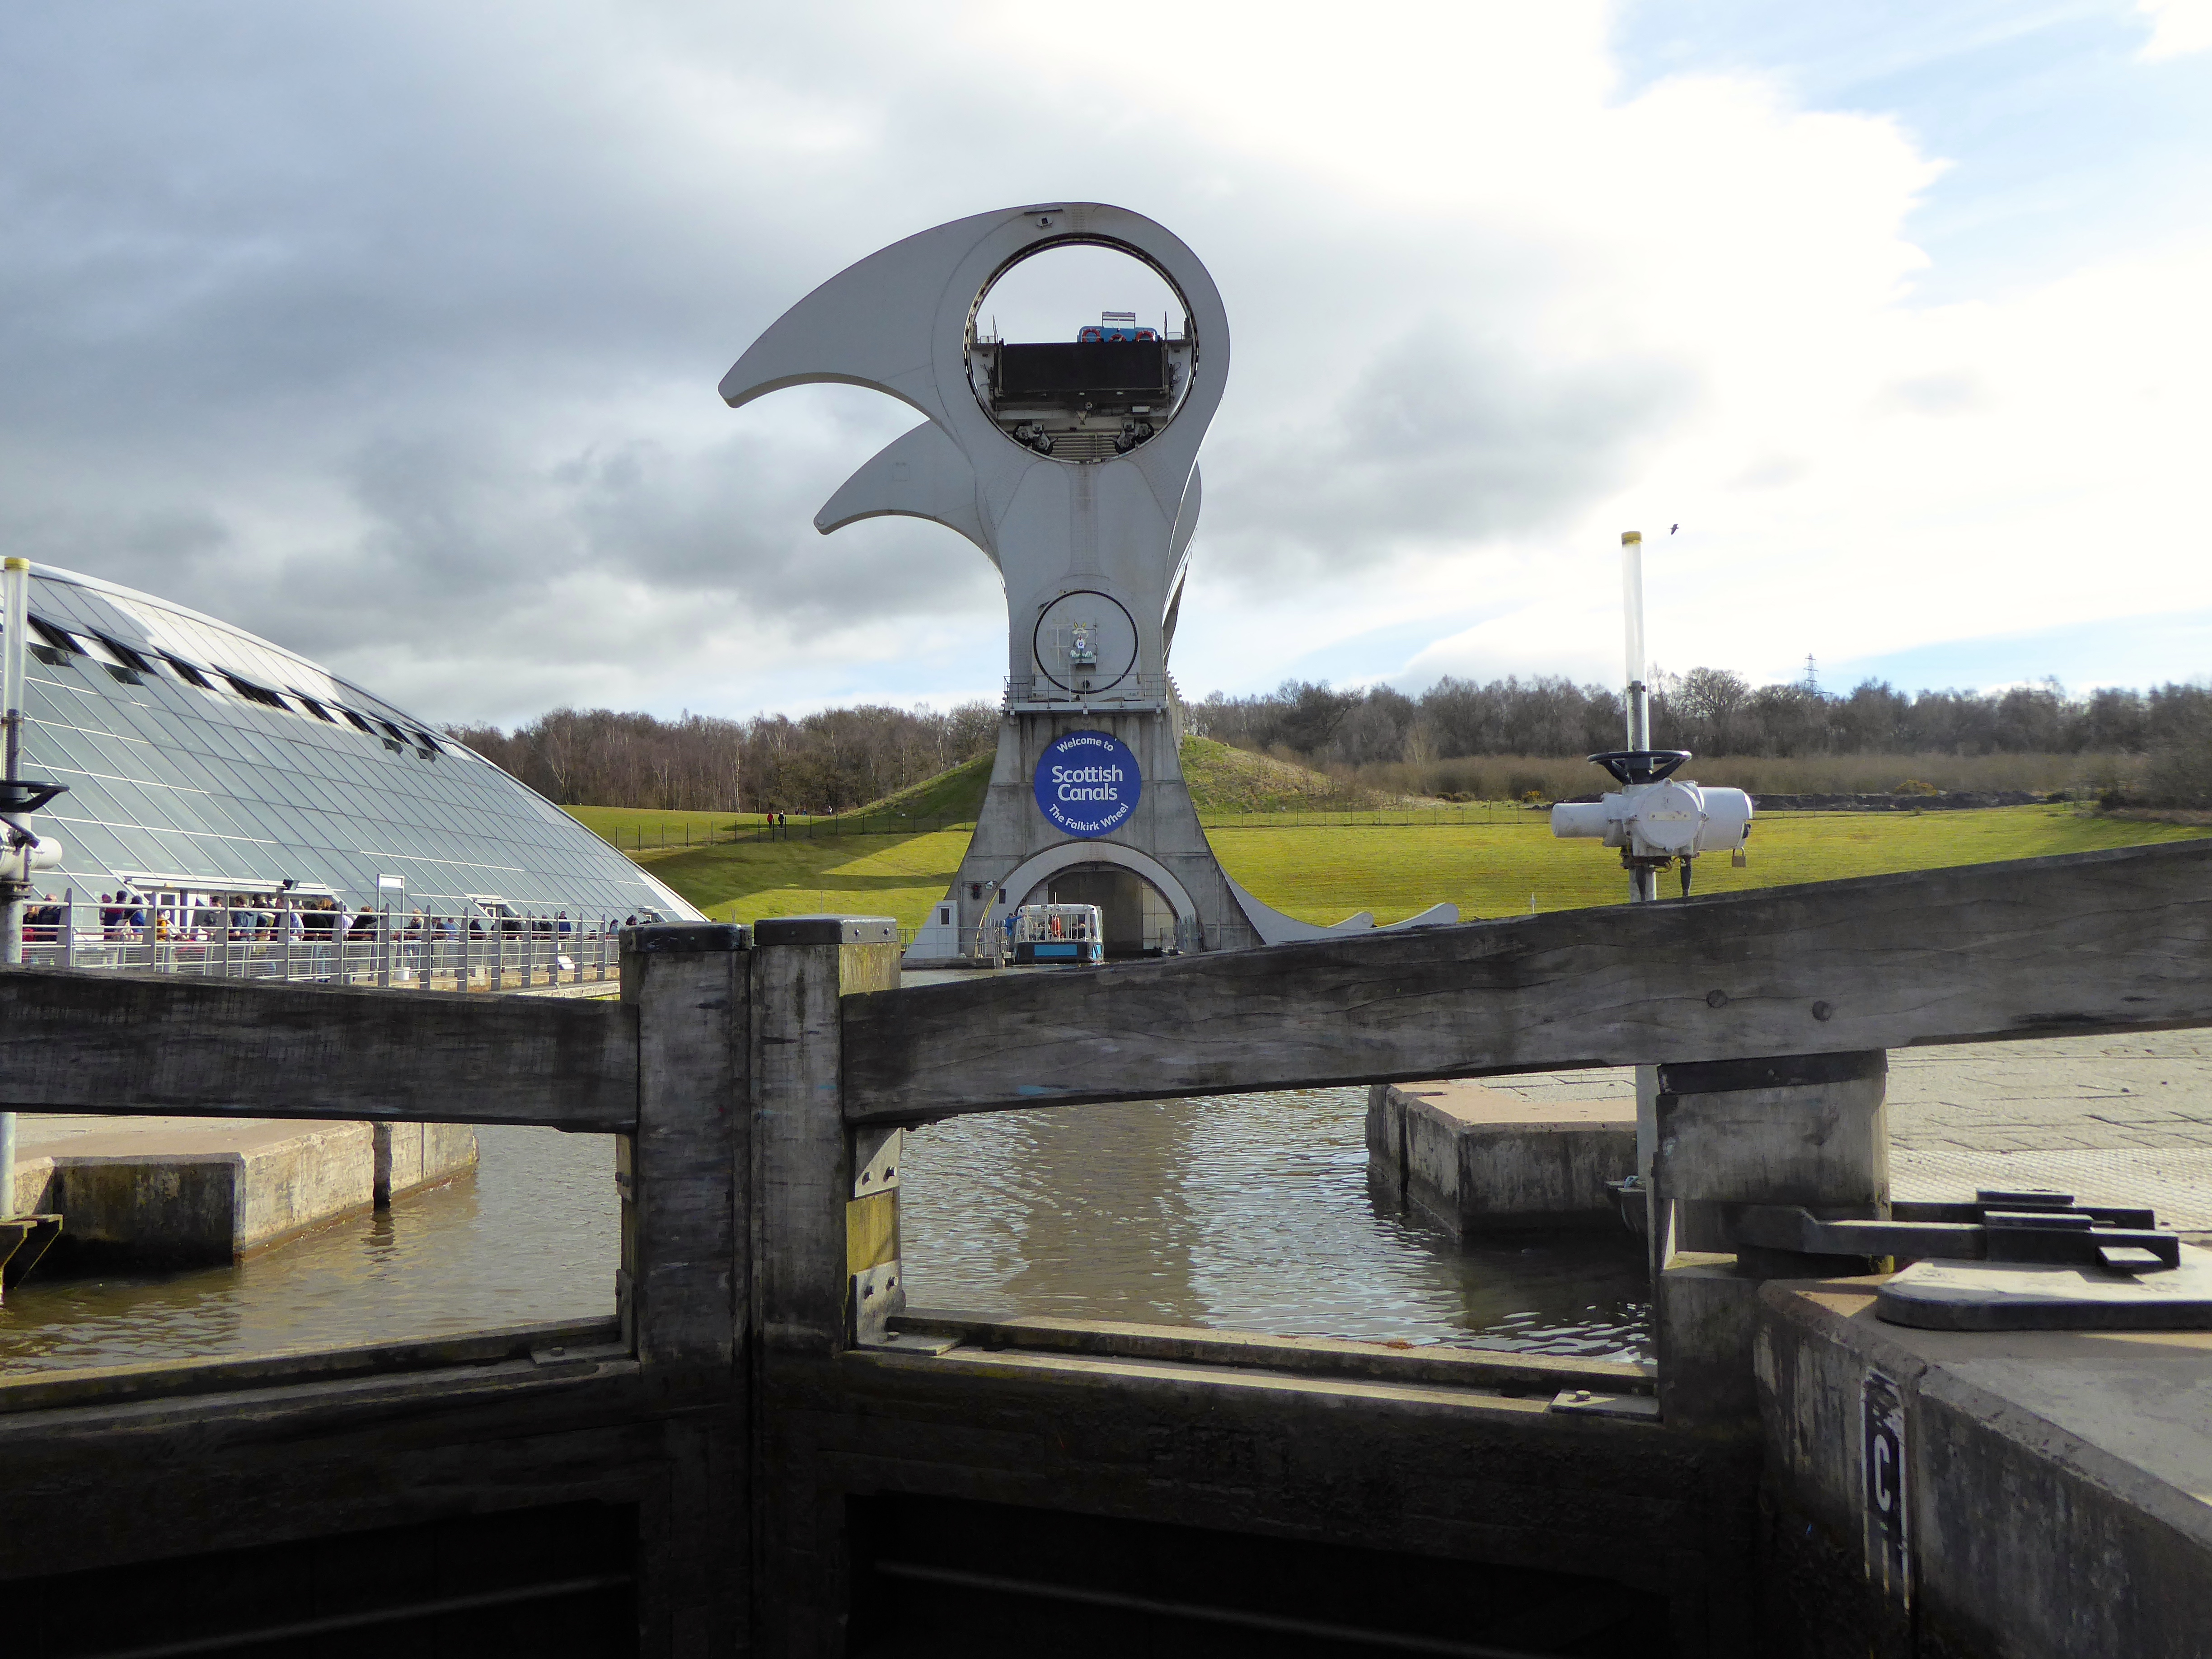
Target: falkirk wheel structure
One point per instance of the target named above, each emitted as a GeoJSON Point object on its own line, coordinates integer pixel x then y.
{"type": "Point", "coordinates": [1074, 465]}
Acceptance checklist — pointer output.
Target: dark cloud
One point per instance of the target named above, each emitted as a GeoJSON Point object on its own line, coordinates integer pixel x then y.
{"type": "Point", "coordinates": [1439, 436]}
{"type": "Point", "coordinates": [388, 330]}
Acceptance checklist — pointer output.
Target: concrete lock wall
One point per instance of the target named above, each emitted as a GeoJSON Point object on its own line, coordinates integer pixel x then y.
{"type": "Point", "coordinates": [1809, 1129]}
{"type": "Point", "coordinates": [187, 1192]}
{"type": "Point", "coordinates": [186, 1205]}
{"type": "Point", "coordinates": [2030, 1494]}
{"type": "Point", "coordinates": [1475, 1159]}
{"type": "Point", "coordinates": [410, 1157]}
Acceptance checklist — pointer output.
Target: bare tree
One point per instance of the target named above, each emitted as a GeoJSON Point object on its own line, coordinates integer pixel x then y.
{"type": "Point", "coordinates": [828, 761]}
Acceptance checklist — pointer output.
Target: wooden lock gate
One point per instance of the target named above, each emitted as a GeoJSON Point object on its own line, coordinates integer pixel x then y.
{"type": "Point", "coordinates": [764, 1453]}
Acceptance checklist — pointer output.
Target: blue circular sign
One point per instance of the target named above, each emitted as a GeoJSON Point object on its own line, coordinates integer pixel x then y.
{"type": "Point", "coordinates": [1087, 783]}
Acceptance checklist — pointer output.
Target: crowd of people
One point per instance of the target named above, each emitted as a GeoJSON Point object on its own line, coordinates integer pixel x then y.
{"type": "Point", "coordinates": [125, 916]}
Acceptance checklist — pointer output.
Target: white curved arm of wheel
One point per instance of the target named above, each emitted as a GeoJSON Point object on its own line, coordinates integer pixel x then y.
{"type": "Point", "coordinates": [920, 474]}
{"type": "Point", "coordinates": [869, 325]}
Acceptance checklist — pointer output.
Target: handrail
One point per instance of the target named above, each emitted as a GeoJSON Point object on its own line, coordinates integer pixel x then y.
{"type": "Point", "coordinates": [382, 947]}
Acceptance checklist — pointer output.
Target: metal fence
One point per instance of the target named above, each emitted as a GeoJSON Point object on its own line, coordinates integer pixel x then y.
{"type": "Point", "coordinates": [1450, 816]}
{"type": "Point", "coordinates": [395, 948]}
{"type": "Point", "coordinates": [703, 831]}
{"type": "Point", "coordinates": [1129, 694]}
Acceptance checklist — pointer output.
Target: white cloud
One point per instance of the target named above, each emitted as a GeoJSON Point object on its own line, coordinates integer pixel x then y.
{"type": "Point", "coordinates": [2177, 28]}
{"type": "Point", "coordinates": [394, 332]}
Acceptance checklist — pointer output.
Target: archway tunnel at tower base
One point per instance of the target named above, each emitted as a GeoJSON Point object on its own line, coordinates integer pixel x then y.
{"type": "Point", "coordinates": [1139, 920]}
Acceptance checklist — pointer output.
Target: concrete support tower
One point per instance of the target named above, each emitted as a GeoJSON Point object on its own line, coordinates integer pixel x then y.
{"type": "Point", "coordinates": [1074, 465]}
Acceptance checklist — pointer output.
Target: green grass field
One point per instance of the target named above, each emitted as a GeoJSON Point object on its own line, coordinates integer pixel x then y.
{"type": "Point", "coordinates": [1324, 871]}
{"type": "Point", "coordinates": [650, 831]}
{"type": "Point", "coordinates": [651, 834]}
{"type": "Point", "coordinates": [1324, 874]}
{"type": "Point", "coordinates": [1490, 859]}
{"type": "Point", "coordinates": [899, 876]}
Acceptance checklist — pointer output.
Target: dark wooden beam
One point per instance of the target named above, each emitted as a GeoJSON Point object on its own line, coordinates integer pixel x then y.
{"type": "Point", "coordinates": [2113, 941]}
{"type": "Point", "coordinates": [89, 1040]}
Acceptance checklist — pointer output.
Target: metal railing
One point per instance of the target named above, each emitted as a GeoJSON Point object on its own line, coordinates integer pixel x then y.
{"type": "Point", "coordinates": [794, 826]}
{"type": "Point", "coordinates": [401, 949]}
{"type": "Point", "coordinates": [1130, 693]}
{"type": "Point", "coordinates": [1388, 816]}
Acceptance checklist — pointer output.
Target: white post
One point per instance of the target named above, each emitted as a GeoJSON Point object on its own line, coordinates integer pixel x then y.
{"type": "Point", "coordinates": [15, 589]}
{"type": "Point", "coordinates": [1631, 595]}
{"type": "Point", "coordinates": [1643, 884]}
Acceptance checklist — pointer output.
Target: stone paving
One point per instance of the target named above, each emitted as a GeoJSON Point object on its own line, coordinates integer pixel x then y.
{"type": "Point", "coordinates": [2111, 1120]}
{"type": "Point", "coordinates": [2116, 1120]}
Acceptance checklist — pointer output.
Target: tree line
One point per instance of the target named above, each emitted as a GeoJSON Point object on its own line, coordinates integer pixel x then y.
{"type": "Point", "coordinates": [841, 758]}
{"type": "Point", "coordinates": [1715, 712]}
{"type": "Point", "coordinates": [829, 762]}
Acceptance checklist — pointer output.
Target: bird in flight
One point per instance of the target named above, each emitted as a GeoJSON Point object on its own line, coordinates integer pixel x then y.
{"type": "Point", "coordinates": [1672, 528]}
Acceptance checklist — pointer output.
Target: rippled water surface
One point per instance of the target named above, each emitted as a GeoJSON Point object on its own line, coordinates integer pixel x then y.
{"type": "Point", "coordinates": [530, 1237]}
{"type": "Point", "coordinates": [1245, 1212]}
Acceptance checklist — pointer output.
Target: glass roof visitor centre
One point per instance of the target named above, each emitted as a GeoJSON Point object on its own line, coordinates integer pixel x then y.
{"type": "Point", "coordinates": [197, 755]}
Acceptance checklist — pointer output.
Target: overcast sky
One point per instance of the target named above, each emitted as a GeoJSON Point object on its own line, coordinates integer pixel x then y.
{"type": "Point", "coordinates": [392, 330]}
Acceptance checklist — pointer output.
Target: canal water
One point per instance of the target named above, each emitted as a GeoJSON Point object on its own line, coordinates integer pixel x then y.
{"type": "Point", "coordinates": [1241, 1212]}
{"type": "Point", "coordinates": [1246, 1213]}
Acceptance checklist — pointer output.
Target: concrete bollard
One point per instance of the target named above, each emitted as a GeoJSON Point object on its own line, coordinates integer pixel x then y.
{"type": "Point", "coordinates": [1809, 1129]}
{"type": "Point", "coordinates": [1477, 1160]}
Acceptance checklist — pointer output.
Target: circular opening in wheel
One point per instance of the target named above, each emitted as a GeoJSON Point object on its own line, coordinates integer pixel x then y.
{"type": "Point", "coordinates": [1080, 349]}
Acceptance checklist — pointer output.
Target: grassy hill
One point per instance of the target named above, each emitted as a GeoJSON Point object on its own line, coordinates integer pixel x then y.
{"type": "Point", "coordinates": [825, 864]}
{"type": "Point", "coordinates": [648, 832]}
{"type": "Point", "coordinates": [1489, 861]}
{"type": "Point", "coordinates": [1226, 780]}
{"type": "Point", "coordinates": [956, 796]}
{"type": "Point", "coordinates": [652, 834]}
{"type": "Point", "coordinates": [828, 864]}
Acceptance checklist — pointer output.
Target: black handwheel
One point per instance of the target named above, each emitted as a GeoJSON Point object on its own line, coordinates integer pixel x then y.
{"type": "Point", "coordinates": [1640, 765]}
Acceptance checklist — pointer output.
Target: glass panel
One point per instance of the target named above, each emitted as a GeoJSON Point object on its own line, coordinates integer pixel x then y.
{"type": "Point", "coordinates": [164, 774]}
